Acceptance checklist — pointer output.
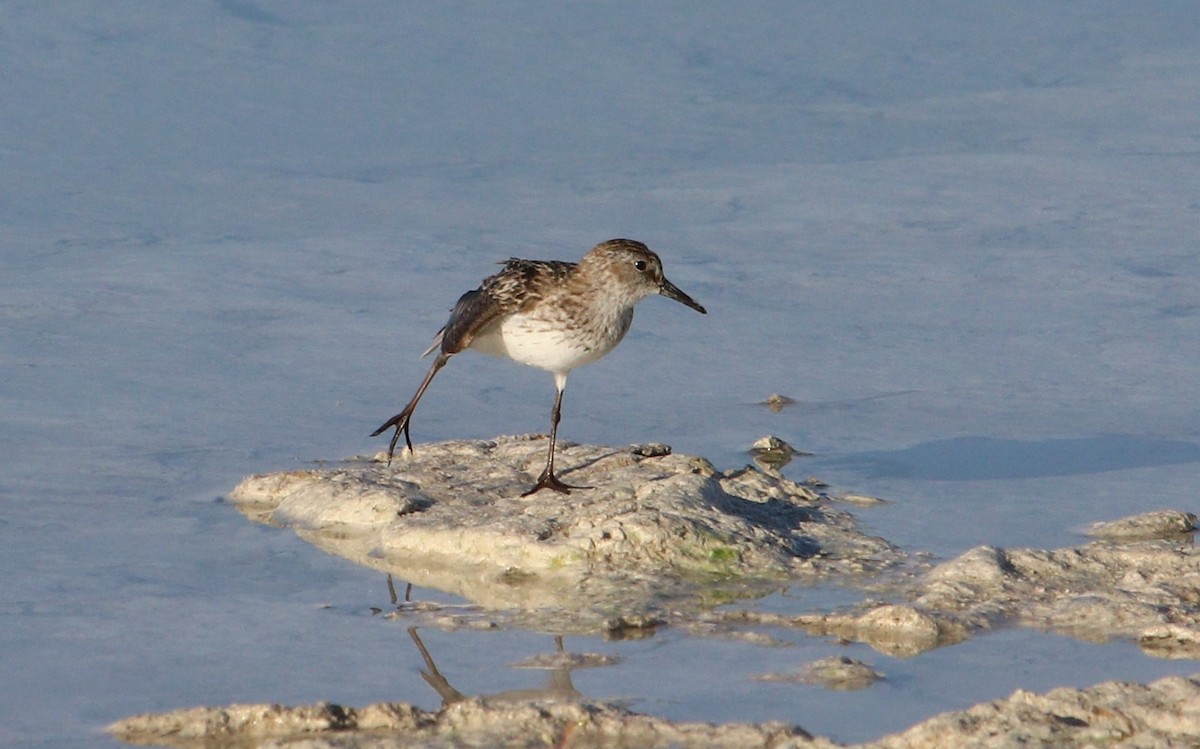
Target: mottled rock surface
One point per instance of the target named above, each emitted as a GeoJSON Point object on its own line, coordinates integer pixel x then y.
{"type": "Point", "coordinates": [1147, 525]}
{"type": "Point", "coordinates": [1147, 591]}
{"type": "Point", "coordinates": [658, 532]}
{"type": "Point", "coordinates": [1120, 715]}
{"type": "Point", "coordinates": [469, 723]}
{"type": "Point", "coordinates": [1114, 714]}
{"type": "Point", "coordinates": [662, 538]}
{"type": "Point", "coordinates": [1094, 592]}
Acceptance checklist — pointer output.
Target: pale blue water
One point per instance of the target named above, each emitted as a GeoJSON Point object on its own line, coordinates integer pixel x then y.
{"type": "Point", "coordinates": [963, 239]}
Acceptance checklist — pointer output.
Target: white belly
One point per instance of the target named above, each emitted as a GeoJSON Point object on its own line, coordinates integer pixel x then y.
{"type": "Point", "coordinates": [550, 345]}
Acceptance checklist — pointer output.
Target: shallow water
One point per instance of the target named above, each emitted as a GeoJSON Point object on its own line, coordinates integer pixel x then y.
{"type": "Point", "coordinates": [961, 240]}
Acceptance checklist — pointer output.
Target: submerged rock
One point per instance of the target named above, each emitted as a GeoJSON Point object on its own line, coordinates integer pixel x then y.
{"type": "Point", "coordinates": [776, 402]}
{"type": "Point", "coordinates": [771, 454]}
{"type": "Point", "coordinates": [835, 672]}
{"type": "Point", "coordinates": [894, 629]}
{"type": "Point", "coordinates": [658, 530]}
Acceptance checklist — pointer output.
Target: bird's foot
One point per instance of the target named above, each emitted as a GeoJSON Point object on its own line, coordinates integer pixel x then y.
{"type": "Point", "coordinates": [400, 421]}
{"type": "Point", "coordinates": [549, 481]}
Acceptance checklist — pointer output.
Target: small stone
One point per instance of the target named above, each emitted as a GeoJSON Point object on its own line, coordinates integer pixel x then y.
{"type": "Point", "coordinates": [840, 673]}
{"type": "Point", "coordinates": [772, 453]}
{"type": "Point", "coordinates": [860, 500]}
{"type": "Point", "coordinates": [650, 450]}
{"type": "Point", "coordinates": [572, 661]}
{"type": "Point", "coordinates": [776, 402]}
{"type": "Point", "coordinates": [631, 626]}
{"type": "Point", "coordinates": [898, 630]}
{"type": "Point", "coordinates": [772, 443]}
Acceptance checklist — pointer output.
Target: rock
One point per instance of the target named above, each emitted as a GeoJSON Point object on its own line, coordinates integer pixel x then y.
{"type": "Point", "coordinates": [861, 500]}
{"type": "Point", "coordinates": [1146, 591]}
{"type": "Point", "coordinates": [776, 402]}
{"type": "Point", "coordinates": [1148, 525]}
{"type": "Point", "coordinates": [771, 453]}
{"type": "Point", "coordinates": [771, 443]}
{"type": "Point", "coordinates": [469, 722]}
{"type": "Point", "coordinates": [896, 630]}
{"type": "Point", "coordinates": [1171, 641]}
{"type": "Point", "coordinates": [657, 526]}
{"type": "Point", "coordinates": [1113, 714]}
{"type": "Point", "coordinates": [1093, 592]}
{"type": "Point", "coordinates": [671, 527]}
{"type": "Point", "coordinates": [836, 672]}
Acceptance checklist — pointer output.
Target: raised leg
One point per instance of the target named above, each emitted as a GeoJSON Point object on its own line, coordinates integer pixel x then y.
{"type": "Point", "coordinates": [401, 420]}
{"type": "Point", "coordinates": [548, 480]}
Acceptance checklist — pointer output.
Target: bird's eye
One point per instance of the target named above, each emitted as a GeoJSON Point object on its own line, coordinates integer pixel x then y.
{"type": "Point", "coordinates": [639, 264]}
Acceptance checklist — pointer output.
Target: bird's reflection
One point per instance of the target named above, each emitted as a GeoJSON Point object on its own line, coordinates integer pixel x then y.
{"type": "Point", "coordinates": [559, 663]}
{"type": "Point", "coordinates": [558, 687]}
{"type": "Point", "coordinates": [392, 592]}
{"type": "Point", "coordinates": [432, 676]}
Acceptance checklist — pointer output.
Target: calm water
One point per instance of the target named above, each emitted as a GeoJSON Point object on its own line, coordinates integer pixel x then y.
{"type": "Point", "coordinates": [964, 248]}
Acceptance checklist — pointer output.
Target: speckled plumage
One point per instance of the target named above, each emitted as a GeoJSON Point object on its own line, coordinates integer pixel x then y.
{"type": "Point", "coordinates": [549, 314]}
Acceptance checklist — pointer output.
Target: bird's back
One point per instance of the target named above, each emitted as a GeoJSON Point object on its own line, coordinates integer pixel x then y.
{"type": "Point", "coordinates": [521, 285]}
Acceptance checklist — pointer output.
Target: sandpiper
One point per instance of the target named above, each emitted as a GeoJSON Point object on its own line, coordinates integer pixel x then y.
{"type": "Point", "coordinates": [549, 314]}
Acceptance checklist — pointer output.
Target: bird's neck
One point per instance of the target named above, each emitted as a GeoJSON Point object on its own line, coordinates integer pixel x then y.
{"type": "Point", "coordinates": [608, 314]}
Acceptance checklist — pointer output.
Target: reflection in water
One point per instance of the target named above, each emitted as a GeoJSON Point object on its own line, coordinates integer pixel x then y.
{"type": "Point", "coordinates": [392, 592]}
{"type": "Point", "coordinates": [777, 402]}
{"type": "Point", "coordinates": [433, 677]}
{"type": "Point", "coordinates": [771, 453]}
{"type": "Point", "coordinates": [560, 664]}
{"type": "Point", "coordinates": [984, 458]}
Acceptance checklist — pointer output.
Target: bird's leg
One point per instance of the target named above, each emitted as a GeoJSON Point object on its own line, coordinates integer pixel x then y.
{"type": "Point", "coordinates": [401, 420]}
{"type": "Point", "coordinates": [548, 480]}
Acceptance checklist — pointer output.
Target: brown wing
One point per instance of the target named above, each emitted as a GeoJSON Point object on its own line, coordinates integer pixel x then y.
{"type": "Point", "coordinates": [518, 285]}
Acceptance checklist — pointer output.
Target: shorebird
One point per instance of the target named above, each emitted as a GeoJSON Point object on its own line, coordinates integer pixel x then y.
{"type": "Point", "coordinates": [549, 314]}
